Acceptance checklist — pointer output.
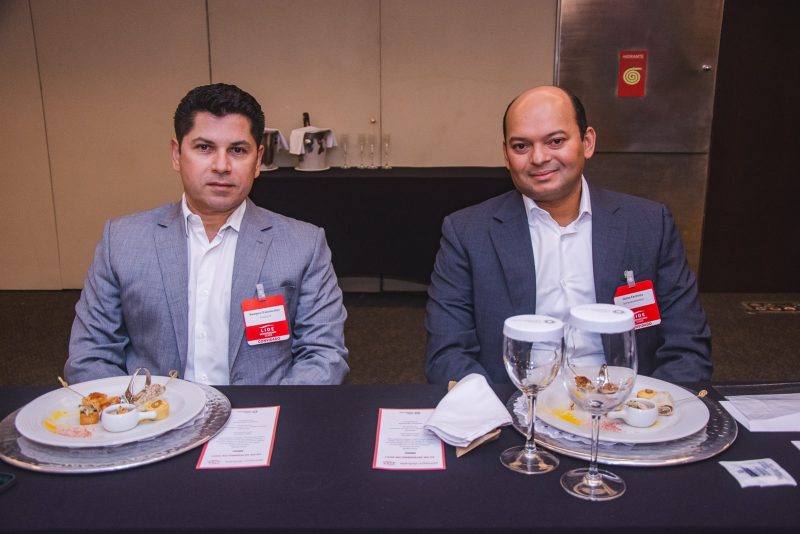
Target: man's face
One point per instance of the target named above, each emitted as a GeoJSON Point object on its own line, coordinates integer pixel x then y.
{"type": "Point", "coordinates": [218, 159]}
{"type": "Point", "coordinates": [543, 148]}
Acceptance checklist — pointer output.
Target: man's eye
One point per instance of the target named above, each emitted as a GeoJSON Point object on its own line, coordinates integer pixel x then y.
{"type": "Point", "coordinates": [203, 147]}
{"type": "Point", "coordinates": [239, 150]}
{"type": "Point", "coordinates": [558, 141]}
{"type": "Point", "coordinates": [519, 147]}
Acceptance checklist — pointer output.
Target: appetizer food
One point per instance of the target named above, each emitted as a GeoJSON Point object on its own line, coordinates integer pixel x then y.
{"type": "Point", "coordinates": [662, 399]}
{"type": "Point", "coordinates": [160, 406]}
{"type": "Point", "coordinates": [92, 405]}
{"type": "Point", "coordinates": [148, 394]}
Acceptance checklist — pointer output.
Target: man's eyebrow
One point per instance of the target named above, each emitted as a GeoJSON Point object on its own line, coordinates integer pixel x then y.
{"type": "Point", "coordinates": [203, 140]}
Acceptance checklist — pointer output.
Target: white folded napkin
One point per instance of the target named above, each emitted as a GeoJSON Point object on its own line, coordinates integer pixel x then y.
{"type": "Point", "coordinates": [467, 412]}
{"type": "Point", "coordinates": [779, 412]}
{"type": "Point", "coordinates": [296, 145]}
{"type": "Point", "coordinates": [282, 144]}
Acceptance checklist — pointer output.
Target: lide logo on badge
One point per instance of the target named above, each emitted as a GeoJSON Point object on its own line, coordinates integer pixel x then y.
{"type": "Point", "coordinates": [265, 320]}
{"type": "Point", "coordinates": [640, 298]}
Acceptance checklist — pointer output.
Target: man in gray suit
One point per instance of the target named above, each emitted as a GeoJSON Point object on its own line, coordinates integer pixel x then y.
{"type": "Point", "coordinates": [555, 243]}
{"type": "Point", "coordinates": [212, 286]}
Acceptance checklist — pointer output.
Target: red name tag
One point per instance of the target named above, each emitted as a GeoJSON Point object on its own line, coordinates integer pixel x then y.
{"type": "Point", "coordinates": [265, 320]}
{"type": "Point", "coordinates": [641, 300]}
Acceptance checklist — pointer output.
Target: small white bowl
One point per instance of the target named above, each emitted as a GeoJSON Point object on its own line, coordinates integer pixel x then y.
{"type": "Point", "coordinates": [114, 421]}
{"type": "Point", "coordinates": [636, 412]}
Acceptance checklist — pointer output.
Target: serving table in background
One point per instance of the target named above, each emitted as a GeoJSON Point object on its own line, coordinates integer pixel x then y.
{"type": "Point", "coordinates": [380, 222]}
{"type": "Point", "coordinates": [321, 478]}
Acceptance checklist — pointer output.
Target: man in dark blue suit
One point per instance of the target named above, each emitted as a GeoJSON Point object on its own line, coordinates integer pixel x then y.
{"type": "Point", "coordinates": [554, 243]}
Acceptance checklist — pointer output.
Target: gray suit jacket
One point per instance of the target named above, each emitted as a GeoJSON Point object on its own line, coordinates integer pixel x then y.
{"type": "Point", "coordinates": [133, 311]}
{"type": "Point", "coordinates": [485, 272]}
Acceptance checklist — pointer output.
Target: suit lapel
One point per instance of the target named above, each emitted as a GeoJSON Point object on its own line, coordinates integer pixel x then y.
{"type": "Point", "coordinates": [170, 241]}
{"type": "Point", "coordinates": [251, 252]}
{"type": "Point", "coordinates": [512, 242]}
{"type": "Point", "coordinates": [609, 232]}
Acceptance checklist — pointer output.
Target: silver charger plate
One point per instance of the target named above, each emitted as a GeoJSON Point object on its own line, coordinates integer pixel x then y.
{"type": "Point", "coordinates": [21, 452]}
{"type": "Point", "coordinates": [718, 435]}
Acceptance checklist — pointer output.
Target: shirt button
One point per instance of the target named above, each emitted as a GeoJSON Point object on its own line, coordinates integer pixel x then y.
{"type": "Point", "coordinates": [204, 378]}
{"type": "Point", "coordinates": [202, 334]}
{"type": "Point", "coordinates": [563, 283]}
{"type": "Point", "coordinates": [204, 292]}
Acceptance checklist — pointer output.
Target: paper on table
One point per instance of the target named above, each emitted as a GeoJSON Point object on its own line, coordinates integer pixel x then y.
{"type": "Point", "coordinates": [402, 443]}
{"type": "Point", "coordinates": [778, 412]}
{"type": "Point", "coordinates": [245, 441]}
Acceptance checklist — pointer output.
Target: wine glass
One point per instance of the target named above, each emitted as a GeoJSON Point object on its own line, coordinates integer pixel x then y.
{"type": "Point", "coordinates": [371, 142]}
{"type": "Point", "coordinates": [599, 370]}
{"type": "Point", "coordinates": [385, 144]}
{"type": "Point", "coordinates": [362, 142]}
{"type": "Point", "coordinates": [532, 351]}
{"type": "Point", "coordinates": [345, 141]}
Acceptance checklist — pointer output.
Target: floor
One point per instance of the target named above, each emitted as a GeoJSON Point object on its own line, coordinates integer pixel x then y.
{"type": "Point", "coordinates": [386, 338]}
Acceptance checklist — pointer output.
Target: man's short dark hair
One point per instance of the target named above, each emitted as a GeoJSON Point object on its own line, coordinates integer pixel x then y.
{"type": "Point", "coordinates": [219, 99]}
{"type": "Point", "coordinates": [577, 106]}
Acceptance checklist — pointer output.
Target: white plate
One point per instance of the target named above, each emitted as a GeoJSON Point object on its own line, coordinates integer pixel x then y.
{"type": "Point", "coordinates": [58, 409]}
{"type": "Point", "coordinates": [690, 415]}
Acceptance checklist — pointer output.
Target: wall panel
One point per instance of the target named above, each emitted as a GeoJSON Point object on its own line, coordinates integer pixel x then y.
{"type": "Point", "coordinates": [112, 73]}
{"type": "Point", "coordinates": [28, 244]}
{"type": "Point", "coordinates": [449, 69]}
{"type": "Point", "coordinates": [315, 56]}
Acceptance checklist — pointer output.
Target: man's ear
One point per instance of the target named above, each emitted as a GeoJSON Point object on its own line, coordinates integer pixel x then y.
{"type": "Point", "coordinates": [258, 160]}
{"type": "Point", "coordinates": [589, 139]}
{"type": "Point", "coordinates": [176, 154]}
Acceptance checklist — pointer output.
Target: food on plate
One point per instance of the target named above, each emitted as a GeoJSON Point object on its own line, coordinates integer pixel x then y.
{"type": "Point", "coordinates": [637, 405]}
{"type": "Point", "coordinates": [584, 384]}
{"type": "Point", "coordinates": [662, 399]}
{"type": "Point", "coordinates": [148, 394]}
{"type": "Point", "coordinates": [160, 406]}
{"type": "Point", "coordinates": [609, 388]}
{"type": "Point", "coordinates": [92, 404]}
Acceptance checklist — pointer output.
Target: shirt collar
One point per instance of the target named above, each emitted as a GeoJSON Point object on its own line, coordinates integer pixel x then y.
{"type": "Point", "coordinates": [533, 209]}
{"type": "Point", "coordinates": [234, 219]}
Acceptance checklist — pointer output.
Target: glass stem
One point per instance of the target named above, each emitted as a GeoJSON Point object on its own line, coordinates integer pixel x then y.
{"type": "Point", "coordinates": [530, 444]}
{"type": "Point", "coordinates": [593, 475]}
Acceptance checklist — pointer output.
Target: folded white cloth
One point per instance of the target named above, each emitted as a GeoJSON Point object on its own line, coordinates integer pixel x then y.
{"type": "Point", "coordinates": [779, 412]}
{"type": "Point", "coordinates": [296, 145]}
{"type": "Point", "coordinates": [282, 144]}
{"type": "Point", "coordinates": [467, 412]}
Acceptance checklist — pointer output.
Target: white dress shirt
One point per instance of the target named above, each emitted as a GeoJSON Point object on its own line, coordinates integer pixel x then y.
{"type": "Point", "coordinates": [564, 271]}
{"type": "Point", "coordinates": [210, 277]}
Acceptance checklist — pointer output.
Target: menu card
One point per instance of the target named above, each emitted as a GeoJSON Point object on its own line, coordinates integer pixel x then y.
{"type": "Point", "coordinates": [245, 441]}
{"type": "Point", "coordinates": [402, 443]}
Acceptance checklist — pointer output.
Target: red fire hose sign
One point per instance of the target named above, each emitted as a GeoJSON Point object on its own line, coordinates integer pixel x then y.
{"type": "Point", "coordinates": [632, 72]}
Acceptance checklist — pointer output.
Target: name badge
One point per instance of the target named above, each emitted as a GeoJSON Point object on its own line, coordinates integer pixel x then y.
{"type": "Point", "coordinates": [265, 320]}
{"type": "Point", "coordinates": [641, 300]}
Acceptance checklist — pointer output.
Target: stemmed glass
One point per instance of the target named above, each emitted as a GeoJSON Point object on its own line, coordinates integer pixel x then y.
{"type": "Point", "coordinates": [345, 140]}
{"type": "Point", "coordinates": [385, 144]}
{"type": "Point", "coordinates": [362, 141]}
{"type": "Point", "coordinates": [532, 351]}
{"type": "Point", "coordinates": [598, 370]}
{"type": "Point", "coordinates": [371, 142]}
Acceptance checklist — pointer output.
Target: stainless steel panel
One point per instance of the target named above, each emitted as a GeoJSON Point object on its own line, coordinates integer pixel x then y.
{"type": "Point", "coordinates": [680, 36]}
{"type": "Point", "coordinates": [677, 180]}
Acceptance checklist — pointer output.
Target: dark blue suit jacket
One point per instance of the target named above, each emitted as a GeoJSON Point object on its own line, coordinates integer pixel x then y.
{"type": "Point", "coordinates": [485, 272]}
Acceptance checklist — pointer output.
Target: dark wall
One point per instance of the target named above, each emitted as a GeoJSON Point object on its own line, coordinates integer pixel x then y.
{"type": "Point", "coordinates": [750, 237]}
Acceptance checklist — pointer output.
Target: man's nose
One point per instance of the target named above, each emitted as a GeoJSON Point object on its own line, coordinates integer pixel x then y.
{"type": "Point", "coordinates": [539, 155]}
{"type": "Point", "coordinates": [221, 162]}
